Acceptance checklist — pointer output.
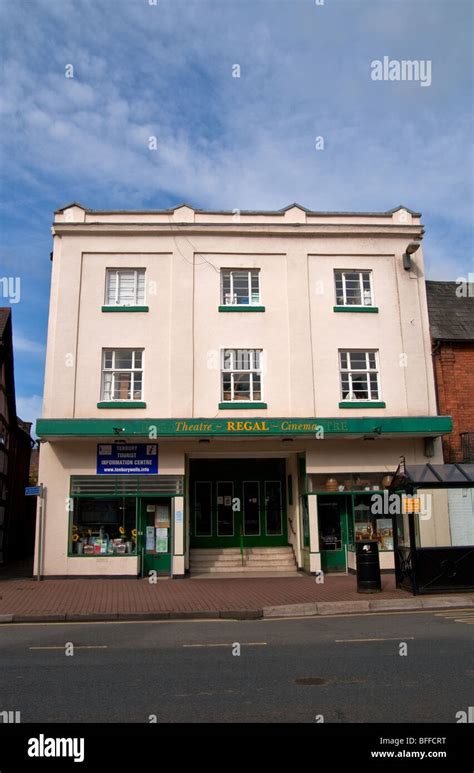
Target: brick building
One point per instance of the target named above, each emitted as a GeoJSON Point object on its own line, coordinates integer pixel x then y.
{"type": "Point", "coordinates": [452, 331]}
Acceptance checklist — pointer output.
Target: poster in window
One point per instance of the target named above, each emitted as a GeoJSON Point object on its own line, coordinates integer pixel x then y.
{"type": "Point", "coordinates": [162, 516]}
{"type": "Point", "coordinates": [150, 538]}
{"type": "Point", "coordinates": [161, 540]}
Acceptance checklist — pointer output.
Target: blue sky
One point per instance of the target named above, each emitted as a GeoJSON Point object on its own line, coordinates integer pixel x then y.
{"type": "Point", "coordinates": [165, 70]}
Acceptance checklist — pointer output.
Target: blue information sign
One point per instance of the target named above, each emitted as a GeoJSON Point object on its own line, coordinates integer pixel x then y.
{"type": "Point", "coordinates": [126, 459]}
{"type": "Point", "coordinates": [33, 491]}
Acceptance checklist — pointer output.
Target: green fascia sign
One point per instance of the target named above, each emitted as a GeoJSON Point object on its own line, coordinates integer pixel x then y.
{"type": "Point", "coordinates": [238, 426]}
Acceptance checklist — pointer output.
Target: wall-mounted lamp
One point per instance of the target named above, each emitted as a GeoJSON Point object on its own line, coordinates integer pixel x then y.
{"type": "Point", "coordinates": [411, 248]}
{"type": "Point", "coordinates": [118, 430]}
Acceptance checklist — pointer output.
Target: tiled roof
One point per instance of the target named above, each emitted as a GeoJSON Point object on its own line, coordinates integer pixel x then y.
{"type": "Point", "coordinates": [451, 313]}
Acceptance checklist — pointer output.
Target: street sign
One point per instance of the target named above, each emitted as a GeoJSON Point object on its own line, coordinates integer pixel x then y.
{"type": "Point", "coordinates": [127, 459]}
{"type": "Point", "coordinates": [33, 491]}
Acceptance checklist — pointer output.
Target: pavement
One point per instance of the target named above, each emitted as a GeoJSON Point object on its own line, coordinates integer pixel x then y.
{"type": "Point", "coordinates": [27, 600]}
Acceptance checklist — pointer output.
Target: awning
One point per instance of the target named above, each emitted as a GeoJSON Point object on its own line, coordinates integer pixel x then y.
{"type": "Point", "coordinates": [433, 476]}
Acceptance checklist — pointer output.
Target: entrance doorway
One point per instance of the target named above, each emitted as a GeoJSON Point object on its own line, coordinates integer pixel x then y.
{"type": "Point", "coordinates": [234, 499]}
{"type": "Point", "coordinates": [333, 532]}
{"type": "Point", "coordinates": [155, 535]}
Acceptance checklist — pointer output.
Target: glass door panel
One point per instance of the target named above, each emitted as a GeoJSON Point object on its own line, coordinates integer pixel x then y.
{"type": "Point", "coordinates": [225, 514]}
{"type": "Point", "coordinates": [332, 520]}
{"type": "Point", "coordinates": [251, 507]}
{"type": "Point", "coordinates": [203, 508]}
{"type": "Point", "coordinates": [273, 507]}
{"type": "Point", "coordinates": [155, 533]}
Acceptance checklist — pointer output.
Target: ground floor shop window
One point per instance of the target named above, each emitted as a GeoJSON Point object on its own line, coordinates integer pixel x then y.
{"type": "Point", "coordinates": [103, 526]}
{"type": "Point", "coordinates": [371, 522]}
{"type": "Point", "coordinates": [346, 518]}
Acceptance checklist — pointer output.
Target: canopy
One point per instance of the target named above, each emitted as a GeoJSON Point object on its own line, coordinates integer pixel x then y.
{"type": "Point", "coordinates": [433, 476]}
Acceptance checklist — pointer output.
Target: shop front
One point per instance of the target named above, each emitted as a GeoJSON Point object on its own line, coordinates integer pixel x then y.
{"type": "Point", "coordinates": [343, 520]}
{"type": "Point", "coordinates": [138, 504]}
{"type": "Point", "coordinates": [355, 511]}
{"type": "Point", "coordinates": [124, 517]}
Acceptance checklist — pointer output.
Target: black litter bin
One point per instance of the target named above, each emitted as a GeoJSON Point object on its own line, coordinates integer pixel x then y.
{"type": "Point", "coordinates": [368, 566]}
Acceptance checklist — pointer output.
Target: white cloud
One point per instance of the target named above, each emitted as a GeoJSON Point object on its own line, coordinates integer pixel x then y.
{"type": "Point", "coordinates": [248, 142]}
{"type": "Point", "coordinates": [23, 344]}
{"type": "Point", "coordinates": [29, 408]}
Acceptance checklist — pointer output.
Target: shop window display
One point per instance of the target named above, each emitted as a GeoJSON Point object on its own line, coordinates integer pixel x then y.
{"type": "Point", "coordinates": [103, 527]}
{"type": "Point", "coordinates": [370, 525]}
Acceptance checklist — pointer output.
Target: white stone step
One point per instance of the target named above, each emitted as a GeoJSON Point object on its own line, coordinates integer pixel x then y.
{"type": "Point", "coordinates": [230, 567]}
{"type": "Point", "coordinates": [236, 551]}
{"type": "Point", "coordinates": [229, 560]}
{"type": "Point", "coordinates": [239, 570]}
{"type": "Point", "coordinates": [226, 559]}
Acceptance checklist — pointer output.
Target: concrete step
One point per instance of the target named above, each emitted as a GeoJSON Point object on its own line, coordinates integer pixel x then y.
{"type": "Point", "coordinates": [247, 557]}
{"type": "Point", "coordinates": [258, 560]}
{"type": "Point", "coordinates": [240, 570]}
{"type": "Point", "coordinates": [229, 564]}
{"type": "Point", "coordinates": [236, 551]}
{"type": "Point", "coordinates": [232, 574]}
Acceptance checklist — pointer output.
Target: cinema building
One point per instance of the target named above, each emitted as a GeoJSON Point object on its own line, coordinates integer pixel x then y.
{"type": "Point", "coordinates": [226, 391]}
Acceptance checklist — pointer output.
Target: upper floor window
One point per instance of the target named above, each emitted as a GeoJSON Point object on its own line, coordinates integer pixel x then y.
{"type": "Point", "coordinates": [122, 374]}
{"type": "Point", "coordinates": [359, 375]}
{"type": "Point", "coordinates": [240, 286]}
{"type": "Point", "coordinates": [125, 287]}
{"type": "Point", "coordinates": [3, 435]}
{"type": "Point", "coordinates": [354, 288]}
{"type": "Point", "coordinates": [241, 374]}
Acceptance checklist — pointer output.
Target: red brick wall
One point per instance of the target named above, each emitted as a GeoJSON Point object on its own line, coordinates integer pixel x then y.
{"type": "Point", "coordinates": [454, 374]}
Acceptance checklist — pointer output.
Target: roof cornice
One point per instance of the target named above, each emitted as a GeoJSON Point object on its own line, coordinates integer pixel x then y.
{"type": "Point", "coordinates": [255, 229]}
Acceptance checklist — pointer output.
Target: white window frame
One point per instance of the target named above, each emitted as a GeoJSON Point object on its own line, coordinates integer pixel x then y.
{"type": "Point", "coordinates": [117, 271]}
{"type": "Point", "coordinates": [227, 299]}
{"type": "Point", "coordinates": [360, 271]}
{"type": "Point", "coordinates": [114, 371]}
{"type": "Point", "coordinates": [233, 370]}
{"type": "Point", "coordinates": [368, 371]}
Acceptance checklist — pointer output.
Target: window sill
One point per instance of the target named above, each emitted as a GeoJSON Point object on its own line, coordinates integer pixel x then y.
{"type": "Point", "coordinates": [121, 404]}
{"type": "Point", "coordinates": [125, 308]}
{"type": "Point", "coordinates": [245, 307]}
{"type": "Point", "coordinates": [241, 405]}
{"type": "Point", "coordinates": [366, 309]}
{"type": "Point", "coordinates": [361, 404]}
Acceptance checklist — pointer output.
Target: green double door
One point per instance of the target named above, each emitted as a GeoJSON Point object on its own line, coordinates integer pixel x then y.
{"type": "Point", "coordinates": [237, 500]}
{"type": "Point", "coordinates": [333, 531]}
{"type": "Point", "coordinates": [155, 534]}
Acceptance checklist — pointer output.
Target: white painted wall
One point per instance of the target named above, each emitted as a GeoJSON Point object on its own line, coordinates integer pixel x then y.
{"type": "Point", "coordinates": [183, 331]}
